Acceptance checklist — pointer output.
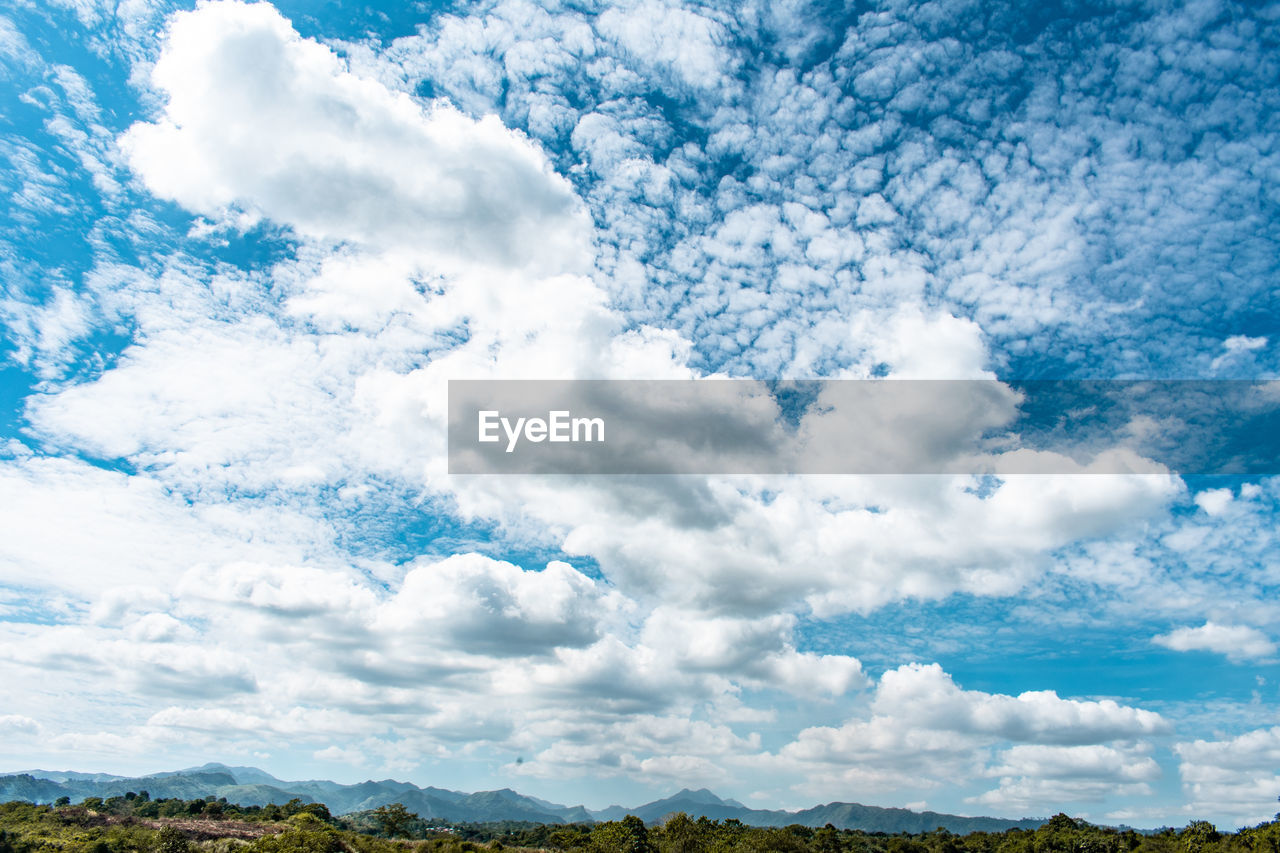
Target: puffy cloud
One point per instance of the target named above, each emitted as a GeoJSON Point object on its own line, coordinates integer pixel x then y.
{"type": "Point", "coordinates": [259, 118]}
{"type": "Point", "coordinates": [1238, 642]}
{"type": "Point", "coordinates": [1036, 778]}
{"type": "Point", "coordinates": [839, 545]}
{"type": "Point", "coordinates": [927, 697]}
{"type": "Point", "coordinates": [649, 747]}
{"type": "Point", "coordinates": [1026, 795]}
{"type": "Point", "coordinates": [1214, 501]}
{"type": "Point", "coordinates": [1071, 762]}
{"type": "Point", "coordinates": [923, 730]}
{"type": "Point", "coordinates": [1235, 776]}
{"type": "Point", "coordinates": [494, 608]}
{"type": "Point", "coordinates": [758, 650]}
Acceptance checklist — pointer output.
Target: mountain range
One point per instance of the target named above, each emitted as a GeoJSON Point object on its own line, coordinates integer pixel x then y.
{"type": "Point", "coordinates": [250, 786]}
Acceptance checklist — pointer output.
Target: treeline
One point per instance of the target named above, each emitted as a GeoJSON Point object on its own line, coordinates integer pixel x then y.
{"type": "Point", "coordinates": [139, 824]}
{"type": "Point", "coordinates": [1061, 834]}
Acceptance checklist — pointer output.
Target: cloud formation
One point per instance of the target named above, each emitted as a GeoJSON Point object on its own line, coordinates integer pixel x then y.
{"type": "Point", "coordinates": [924, 731]}
{"type": "Point", "coordinates": [261, 122]}
{"type": "Point", "coordinates": [1237, 642]}
{"type": "Point", "coordinates": [228, 435]}
{"type": "Point", "coordinates": [1225, 775]}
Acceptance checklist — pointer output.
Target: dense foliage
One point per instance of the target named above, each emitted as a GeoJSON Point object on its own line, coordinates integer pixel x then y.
{"type": "Point", "coordinates": [137, 824]}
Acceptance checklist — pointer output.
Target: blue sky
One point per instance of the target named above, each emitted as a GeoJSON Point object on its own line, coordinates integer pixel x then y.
{"type": "Point", "coordinates": [246, 246]}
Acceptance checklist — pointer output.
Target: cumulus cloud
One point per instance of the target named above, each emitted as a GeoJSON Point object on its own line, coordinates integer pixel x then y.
{"type": "Point", "coordinates": [495, 608]}
{"type": "Point", "coordinates": [924, 730]}
{"type": "Point", "coordinates": [759, 649]}
{"type": "Point", "coordinates": [1234, 776]}
{"type": "Point", "coordinates": [927, 696]}
{"type": "Point", "coordinates": [1071, 762]}
{"type": "Point", "coordinates": [260, 119]}
{"type": "Point", "coordinates": [1238, 642]}
{"type": "Point", "coordinates": [662, 748]}
{"type": "Point", "coordinates": [1035, 778]}
{"type": "Point", "coordinates": [1214, 501]}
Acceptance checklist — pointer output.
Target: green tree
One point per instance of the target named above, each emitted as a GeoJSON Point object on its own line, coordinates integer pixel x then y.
{"type": "Point", "coordinates": [758, 840]}
{"type": "Point", "coordinates": [394, 819]}
{"type": "Point", "coordinates": [11, 842]}
{"type": "Point", "coordinates": [1263, 838]}
{"type": "Point", "coordinates": [171, 840]}
{"type": "Point", "coordinates": [628, 835]}
{"type": "Point", "coordinates": [572, 837]}
{"type": "Point", "coordinates": [306, 834]}
{"type": "Point", "coordinates": [679, 835]}
{"type": "Point", "coordinates": [827, 840]}
{"type": "Point", "coordinates": [1197, 835]}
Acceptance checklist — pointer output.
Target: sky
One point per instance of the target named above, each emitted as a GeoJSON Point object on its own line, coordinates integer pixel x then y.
{"type": "Point", "coordinates": [245, 247]}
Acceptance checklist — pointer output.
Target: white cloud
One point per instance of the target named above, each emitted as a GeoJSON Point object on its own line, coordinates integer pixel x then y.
{"type": "Point", "coordinates": [681, 44]}
{"type": "Point", "coordinates": [1236, 776]}
{"type": "Point", "coordinates": [13, 725]}
{"type": "Point", "coordinates": [649, 747]}
{"type": "Point", "coordinates": [491, 607]}
{"type": "Point", "coordinates": [78, 528]}
{"type": "Point", "coordinates": [1036, 796]}
{"type": "Point", "coordinates": [758, 651]}
{"type": "Point", "coordinates": [839, 545]}
{"type": "Point", "coordinates": [919, 347]}
{"type": "Point", "coordinates": [1072, 762]}
{"type": "Point", "coordinates": [924, 731]}
{"type": "Point", "coordinates": [260, 119]}
{"type": "Point", "coordinates": [927, 697]}
{"type": "Point", "coordinates": [45, 333]}
{"type": "Point", "coordinates": [1237, 642]}
{"type": "Point", "coordinates": [1237, 345]}
{"type": "Point", "coordinates": [1214, 501]}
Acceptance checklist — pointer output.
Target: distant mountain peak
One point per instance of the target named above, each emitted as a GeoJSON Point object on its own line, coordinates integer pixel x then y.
{"type": "Point", "coordinates": [242, 775]}
{"type": "Point", "coordinates": [703, 796]}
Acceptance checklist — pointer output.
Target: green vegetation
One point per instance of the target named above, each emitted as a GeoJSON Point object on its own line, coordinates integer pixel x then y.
{"type": "Point", "coordinates": [135, 823]}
